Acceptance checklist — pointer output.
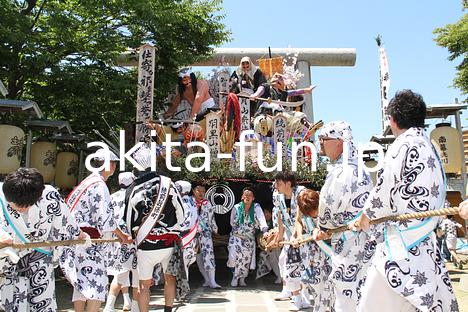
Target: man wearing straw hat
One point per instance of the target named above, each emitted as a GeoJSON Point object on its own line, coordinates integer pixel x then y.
{"type": "Point", "coordinates": [342, 199]}
{"type": "Point", "coordinates": [31, 212]}
{"type": "Point", "coordinates": [90, 204]}
{"type": "Point", "coordinates": [407, 271]}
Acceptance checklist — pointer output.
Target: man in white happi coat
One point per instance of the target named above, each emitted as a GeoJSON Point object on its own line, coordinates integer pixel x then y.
{"type": "Point", "coordinates": [407, 271]}
{"type": "Point", "coordinates": [31, 212]}
{"type": "Point", "coordinates": [246, 217]}
{"type": "Point", "coordinates": [315, 254]}
{"type": "Point", "coordinates": [206, 227]}
{"type": "Point", "coordinates": [268, 259]}
{"type": "Point", "coordinates": [90, 204]}
{"type": "Point", "coordinates": [117, 251]}
{"type": "Point", "coordinates": [155, 215]}
{"type": "Point", "coordinates": [342, 199]}
{"type": "Point", "coordinates": [284, 215]}
{"type": "Point", "coordinates": [189, 239]}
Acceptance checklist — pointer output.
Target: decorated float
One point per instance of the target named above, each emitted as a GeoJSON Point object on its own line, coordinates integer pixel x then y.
{"type": "Point", "coordinates": [271, 122]}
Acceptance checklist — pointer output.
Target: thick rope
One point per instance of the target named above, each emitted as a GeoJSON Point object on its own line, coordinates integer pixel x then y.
{"type": "Point", "coordinates": [403, 217]}
{"type": "Point", "coordinates": [58, 243]}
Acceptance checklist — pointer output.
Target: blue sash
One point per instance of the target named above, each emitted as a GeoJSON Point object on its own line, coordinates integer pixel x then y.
{"type": "Point", "coordinates": [17, 232]}
{"type": "Point", "coordinates": [326, 248]}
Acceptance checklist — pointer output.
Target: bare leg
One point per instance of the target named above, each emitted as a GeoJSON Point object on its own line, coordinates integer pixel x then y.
{"type": "Point", "coordinates": [114, 289]}
{"type": "Point", "coordinates": [113, 293]}
{"type": "Point", "coordinates": [144, 297]}
{"type": "Point", "coordinates": [169, 290]}
{"type": "Point", "coordinates": [79, 301]}
{"type": "Point", "coordinates": [93, 305]}
{"type": "Point", "coordinates": [136, 296]}
{"type": "Point", "coordinates": [79, 306]}
{"type": "Point", "coordinates": [127, 300]}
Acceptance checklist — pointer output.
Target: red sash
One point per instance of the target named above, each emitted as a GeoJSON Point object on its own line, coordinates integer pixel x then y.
{"type": "Point", "coordinates": [92, 232]}
{"type": "Point", "coordinates": [74, 197]}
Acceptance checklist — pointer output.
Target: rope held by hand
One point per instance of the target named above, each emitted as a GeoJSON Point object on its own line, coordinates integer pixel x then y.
{"type": "Point", "coordinates": [58, 243]}
{"type": "Point", "coordinates": [403, 217]}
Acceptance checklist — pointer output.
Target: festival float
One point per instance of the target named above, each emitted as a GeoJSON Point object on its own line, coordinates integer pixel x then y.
{"type": "Point", "coordinates": [273, 124]}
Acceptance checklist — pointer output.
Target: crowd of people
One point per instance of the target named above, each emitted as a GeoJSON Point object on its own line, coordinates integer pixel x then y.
{"type": "Point", "coordinates": [164, 226]}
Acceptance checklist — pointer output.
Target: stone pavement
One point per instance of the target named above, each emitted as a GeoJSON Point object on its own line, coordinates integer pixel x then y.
{"type": "Point", "coordinates": [256, 297]}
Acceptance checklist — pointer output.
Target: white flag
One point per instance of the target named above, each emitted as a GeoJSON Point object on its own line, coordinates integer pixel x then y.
{"type": "Point", "coordinates": [384, 87]}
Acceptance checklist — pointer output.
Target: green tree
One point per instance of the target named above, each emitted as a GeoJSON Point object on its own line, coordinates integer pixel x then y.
{"type": "Point", "coordinates": [454, 37]}
{"type": "Point", "coordinates": [62, 53]}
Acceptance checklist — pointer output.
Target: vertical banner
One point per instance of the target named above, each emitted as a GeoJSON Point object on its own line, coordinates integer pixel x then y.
{"type": "Point", "coordinates": [212, 135]}
{"type": "Point", "coordinates": [223, 80]}
{"type": "Point", "coordinates": [279, 133]}
{"type": "Point", "coordinates": [244, 103]}
{"type": "Point", "coordinates": [384, 87]}
{"type": "Point", "coordinates": [144, 110]}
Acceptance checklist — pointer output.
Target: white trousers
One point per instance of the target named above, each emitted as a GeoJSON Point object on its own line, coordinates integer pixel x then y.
{"type": "Point", "coordinates": [377, 295]}
{"type": "Point", "coordinates": [290, 284]}
{"type": "Point", "coordinates": [123, 279]}
{"type": "Point", "coordinates": [147, 259]}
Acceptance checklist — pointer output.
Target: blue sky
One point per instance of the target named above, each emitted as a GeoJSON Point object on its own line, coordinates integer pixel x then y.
{"type": "Point", "coordinates": [352, 93]}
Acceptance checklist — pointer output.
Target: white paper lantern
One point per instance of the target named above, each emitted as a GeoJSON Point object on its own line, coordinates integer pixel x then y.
{"type": "Point", "coordinates": [11, 148]}
{"type": "Point", "coordinates": [43, 158]}
{"type": "Point", "coordinates": [447, 142]}
{"type": "Point", "coordinates": [66, 171]}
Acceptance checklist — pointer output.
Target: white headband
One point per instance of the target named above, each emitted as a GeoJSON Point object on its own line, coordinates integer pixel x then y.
{"type": "Point", "coordinates": [102, 154]}
{"type": "Point", "coordinates": [186, 71]}
{"type": "Point", "coordinates": [126, 178]}
{"type": "Point", "coordinates": [337, 130]}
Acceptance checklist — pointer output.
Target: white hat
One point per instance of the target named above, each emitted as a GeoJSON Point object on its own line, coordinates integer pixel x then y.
{"type": "Point", "coordinates": [186, 71]}
{"type": "Point", "coordinates": [337, 130]}
{"type": "Point", "coordinates": [143, 156]}
{"type": "Point", "coordinates": [126, 178]}
{"type": "Point", "coordinates": [184, 187]}
{"type": "Point", "coordinates": [103, 154]}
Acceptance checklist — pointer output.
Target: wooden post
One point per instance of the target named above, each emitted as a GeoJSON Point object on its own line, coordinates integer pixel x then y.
{"type": "Point", "coordinates": [279, 133]}
{"type": "Point", "coordinates": [212, 135]}
{"type": "Point", "coordinates": [223, 80]}
{"type": "Point", "coordinates": [244, 103]}
{"type": "Point", "coordinates": [145, 91]}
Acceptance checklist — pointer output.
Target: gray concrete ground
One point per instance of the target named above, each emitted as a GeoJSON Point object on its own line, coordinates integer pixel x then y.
{"type": "Point", "coordinates": [256, 297]}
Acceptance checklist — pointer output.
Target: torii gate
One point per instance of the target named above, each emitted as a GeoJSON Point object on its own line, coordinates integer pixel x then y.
{"type": "Point", "coordinates": [307, 57]}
